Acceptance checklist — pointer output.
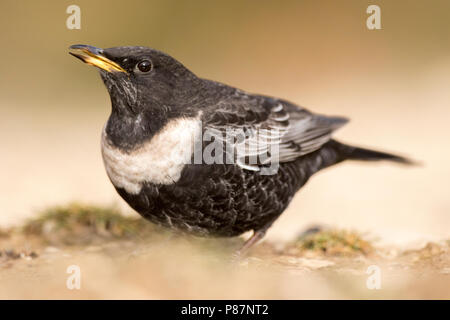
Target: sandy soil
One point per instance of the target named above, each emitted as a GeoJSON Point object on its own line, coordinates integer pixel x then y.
{"type": "Point", "coordinates": [152, 263]}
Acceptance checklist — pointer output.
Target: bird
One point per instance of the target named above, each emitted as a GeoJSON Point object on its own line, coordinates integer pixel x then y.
{"type": "Point", "coordinates": [261, 149]}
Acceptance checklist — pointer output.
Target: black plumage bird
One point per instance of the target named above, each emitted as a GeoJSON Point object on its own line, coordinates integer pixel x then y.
{"type": "Point", "coordinates": [161, 112]}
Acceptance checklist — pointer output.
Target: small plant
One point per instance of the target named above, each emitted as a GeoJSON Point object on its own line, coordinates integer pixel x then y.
{"type": "Point", "coordinates": [335, 242]}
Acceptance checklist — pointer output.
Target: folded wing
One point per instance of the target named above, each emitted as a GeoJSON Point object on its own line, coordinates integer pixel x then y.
{"type": "Point", "coordinates": [257, 131]}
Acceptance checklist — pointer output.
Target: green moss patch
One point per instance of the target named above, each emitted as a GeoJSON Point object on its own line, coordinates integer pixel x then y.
{"type": "Point", "coordinates": [334, 242]}
{"type": "Point", "coordinates": [82, 224]}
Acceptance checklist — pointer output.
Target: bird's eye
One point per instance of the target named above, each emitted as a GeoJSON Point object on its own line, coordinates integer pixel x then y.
{"type": "Point", "coordinates": [144, 66]}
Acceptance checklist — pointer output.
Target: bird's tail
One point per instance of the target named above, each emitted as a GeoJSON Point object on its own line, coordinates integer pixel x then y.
{"type": "Point", "coordinates": [356, 153]}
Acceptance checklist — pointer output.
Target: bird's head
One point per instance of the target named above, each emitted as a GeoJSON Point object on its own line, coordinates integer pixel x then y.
{"type": "Point", "coordinates": [139, 79]}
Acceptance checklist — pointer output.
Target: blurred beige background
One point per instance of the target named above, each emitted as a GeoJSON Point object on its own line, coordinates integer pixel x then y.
{"type": "Point", "coordinates": [393, 84]}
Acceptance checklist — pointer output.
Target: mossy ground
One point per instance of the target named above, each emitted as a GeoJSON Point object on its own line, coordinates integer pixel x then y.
{"type": "Point", "coordinates": [85, 224]}
{"type": "Point", "coordinates": [159, 263]}
{"type": "Point", "coordinates": [334, 242]}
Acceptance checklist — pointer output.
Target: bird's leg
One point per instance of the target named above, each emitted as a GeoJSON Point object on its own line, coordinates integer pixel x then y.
{"type": "Point", "coordinates": [257, 235]}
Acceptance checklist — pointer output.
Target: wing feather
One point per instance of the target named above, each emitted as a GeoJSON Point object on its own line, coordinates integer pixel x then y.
{"type": "Point", "coordinates": [262, 130]}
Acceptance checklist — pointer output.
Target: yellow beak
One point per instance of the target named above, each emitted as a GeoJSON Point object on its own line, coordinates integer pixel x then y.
{"type": "Point", "coordinates": [94, 56]}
